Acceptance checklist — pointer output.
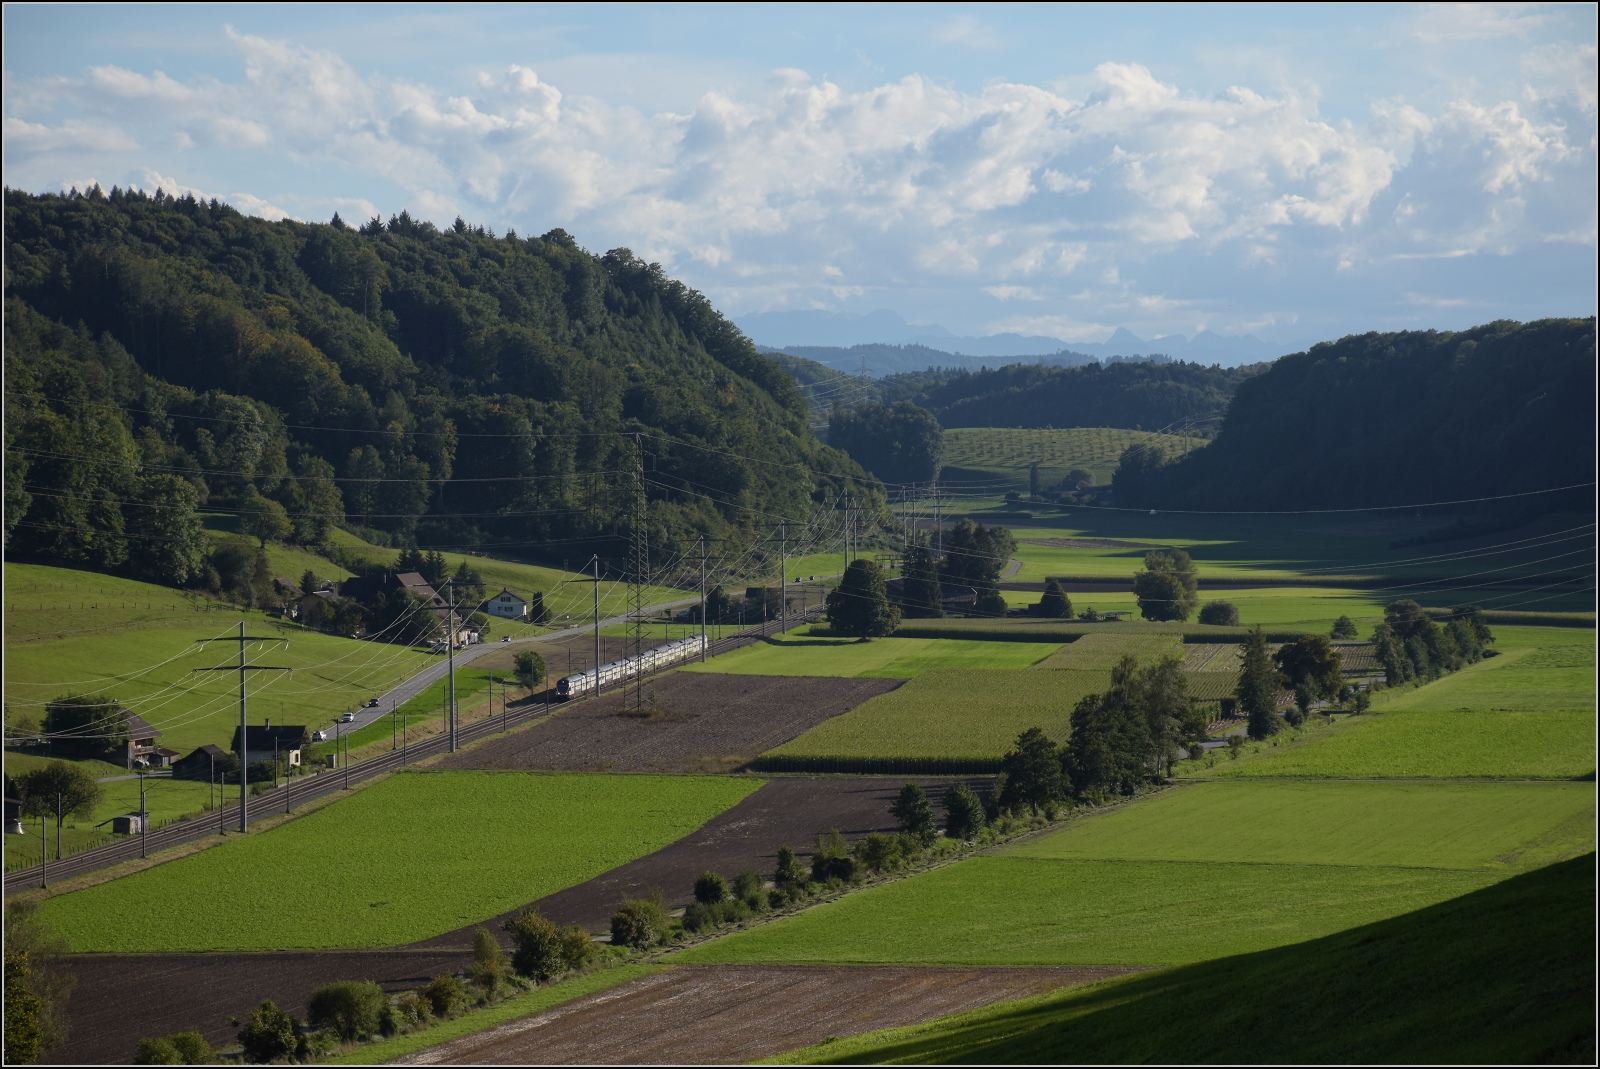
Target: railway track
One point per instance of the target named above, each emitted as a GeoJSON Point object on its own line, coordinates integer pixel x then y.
{"type": "Point", "coordinates": [323, 784]}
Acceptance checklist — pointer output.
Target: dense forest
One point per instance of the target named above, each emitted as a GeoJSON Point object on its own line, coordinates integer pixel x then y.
{"type": "Point", "coordinates": [1136, 394]}
{"type": "Point", "coordinates": [1390, 419]}
{"type": "Point", "coordinates": [420, 386]}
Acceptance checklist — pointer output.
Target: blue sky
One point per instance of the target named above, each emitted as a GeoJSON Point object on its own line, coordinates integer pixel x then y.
{"type": "Point", "coordinates": [1293, 172]}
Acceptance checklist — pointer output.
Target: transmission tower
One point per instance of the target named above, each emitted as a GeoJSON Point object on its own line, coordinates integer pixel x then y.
{"type": "Point", "coordinates": [638, 570]}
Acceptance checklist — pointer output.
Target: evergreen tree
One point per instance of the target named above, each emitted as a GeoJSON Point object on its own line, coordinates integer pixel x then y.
{"type": "Point", "coordinates": [1055, 604]}
{"type": "Point", "coordinates": [964, 816]}
{"type": "Point", "coordinates": [1258, 687]}
{"type": "Point", "coordinates": [1344, 627]}
{"type": "Point", "coordinates": [859, 605]}
{"type": "Point", "coordinates": [915, 814]}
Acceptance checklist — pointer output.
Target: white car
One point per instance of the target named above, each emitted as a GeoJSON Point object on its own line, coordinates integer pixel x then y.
{"type": "Point", "coordinates": [347, 718]}
{"type": "Point", "coordinates": [319, 736]}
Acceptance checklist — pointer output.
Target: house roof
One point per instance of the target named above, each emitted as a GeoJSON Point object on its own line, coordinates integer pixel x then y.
{"type": "Point", "coordinates": [508, 590]}
{"type": "Point", "coordinates": [209, 749]}
{"type": "Point", "coordinates": [261, 737]}
{"type": "Point", "coordinates": [138, 727]}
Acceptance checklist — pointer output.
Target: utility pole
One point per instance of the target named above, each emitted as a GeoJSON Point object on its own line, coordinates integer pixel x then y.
{"type": "Point", "coordinates": [244, 731]}
{"type": "Point", "coordinates": [783, 580]}
{"type": "Point", "coordinates": [450, 645]}
{"type": "Point", "coordinates": [638, 572]}
{"type": "Point", "coordinates": [596, 626]}
{"type": "Point", "coordinates": [702, 599]}
{"type": "Point", "coordinates": [144, 821]}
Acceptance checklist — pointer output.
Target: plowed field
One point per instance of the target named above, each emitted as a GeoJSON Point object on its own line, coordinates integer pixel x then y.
{"type": "Point", "coordinates": [696, 723]}
{"type": "Point", "coordinates": [707, 1015]}
{"type": "Point", "coordinates": [123, 998]}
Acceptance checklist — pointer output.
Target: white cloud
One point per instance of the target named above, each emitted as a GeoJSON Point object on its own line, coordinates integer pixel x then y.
{"type": "Point", "coordinates": [796, 191]}
{"type": "Point", "coordinates": [1439, 23]}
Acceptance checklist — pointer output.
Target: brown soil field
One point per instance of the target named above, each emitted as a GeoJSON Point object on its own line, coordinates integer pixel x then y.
{"type": "Point", "coordinates": [697, 723]}
{"type": "Point", "coordinates": [788, 811]}
{"type": "Point", "coordinates": [701, 1015]}
{"type": "Point", "coordinates": [123, 998]}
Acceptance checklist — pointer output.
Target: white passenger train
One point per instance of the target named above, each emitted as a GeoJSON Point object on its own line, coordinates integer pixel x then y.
{"type": "Point", "coordinates": [609, 675]}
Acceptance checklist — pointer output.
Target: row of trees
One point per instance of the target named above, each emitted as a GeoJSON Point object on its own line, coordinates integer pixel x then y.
{"type": "Point", "coordinates": [1412, 645]}
{"type": "Point", "coordinates": [974, 555]}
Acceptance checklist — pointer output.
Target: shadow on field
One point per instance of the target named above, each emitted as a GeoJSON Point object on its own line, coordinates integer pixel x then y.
{"type": "Point", "coordinates": [1505, 974]}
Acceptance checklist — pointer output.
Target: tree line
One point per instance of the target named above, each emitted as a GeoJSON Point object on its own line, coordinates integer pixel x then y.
{"type": "Point", "coordinates": [1394, 419]}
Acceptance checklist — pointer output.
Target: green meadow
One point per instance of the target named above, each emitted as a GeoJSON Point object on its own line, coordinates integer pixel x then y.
{"type": "Point", "coordinates": [952, 713]}
{"type": "Point", "coordinates": [144, 649]}
{"type": "Point", "coordinates": [410, 857]}
{"type": "Point", "coordinates": [804, 654]}
{"type": "Point", "coordinates": [1501, 975]}
{"type": "Point", "coordinates": [1188, 875]}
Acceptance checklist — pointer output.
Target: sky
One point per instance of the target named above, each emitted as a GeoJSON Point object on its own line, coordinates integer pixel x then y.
{"type": "Point", "coordinates": [1296, 172]}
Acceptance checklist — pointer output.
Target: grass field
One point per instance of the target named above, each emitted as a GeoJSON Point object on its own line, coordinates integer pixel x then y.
{"type": "Point", "coordinates": [165, 800]}
{"type": "Point", "coordinates": [1011, 910]}
{"type": "Point", "coordinates": [952, 713]}
{"type": "Point", "coordinates": [410, 857]}
{"type": "Point", "coordinates": [1501, 975]}
{"type": "Point", "coordinates": [1526, 714]}
{"type": "Point", "coordinates": [1513, 826]}
{"type": "Point", "coordinates": [145, 658]}
{"type": "Point", "coordinates": [1187, 875]}
{"type": "Point", "coordinates": [797, 654]}
{"type": "Point", "coordinates": [1102, 650]}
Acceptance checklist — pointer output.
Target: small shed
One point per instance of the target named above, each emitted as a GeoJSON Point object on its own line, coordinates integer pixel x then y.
{"type": "Point", "coordinates": [127, 824]}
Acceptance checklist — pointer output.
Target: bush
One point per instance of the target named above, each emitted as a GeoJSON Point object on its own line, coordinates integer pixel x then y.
{"type": "Point", "coordinates": [640, 923]}
{"type": "Point", "coordinates": [413, 1009]}
{"type": "Point", "coordinates": [879, 852]}
{"type": "Point", "coordinates": [349, 1008]}
{"type": "Point", "coordinates": [747, 888]}
{"type": "Point", "coordinates": [1220, 612]}
{"type": "Point", "coordinates": [964, 817]}
{"type": "Point", "coordinates": [445, 995]}
{"type": "Point", "coordinates": [488, 969]}
{"type": "Point", "coordinates": [269, 1034]}
{"type": "Point", "coordinates": [832, 860]}
{"type": "Point", "coordinates": [700, 916]}
{"type": "Point", "coordinates": [710, 888]}
{"type": "Point", "coordinates": [160, 1051]}
{"type": "Point", "coordinates": [543, 950]}
{"type": "Point", "coordinates": [1196, 751]}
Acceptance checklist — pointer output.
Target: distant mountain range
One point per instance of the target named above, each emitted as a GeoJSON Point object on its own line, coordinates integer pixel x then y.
{"type": "Point", "coordinates": [890, 344]}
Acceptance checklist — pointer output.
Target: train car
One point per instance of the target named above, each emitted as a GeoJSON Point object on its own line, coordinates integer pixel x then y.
{"type": "Point", "coordinates": [610, 675]}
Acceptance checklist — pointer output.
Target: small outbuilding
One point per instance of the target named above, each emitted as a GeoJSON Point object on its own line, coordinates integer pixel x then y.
{"type": "Point", "coordinates": [202, 763]}
{"type": "Point", "coordinates": [127, 824]}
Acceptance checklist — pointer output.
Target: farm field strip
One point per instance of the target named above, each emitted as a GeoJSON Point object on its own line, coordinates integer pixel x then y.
{"type": "Point", "coordinates": [952, 713]}
{"type": "Point", "coordinates": [1491, 826]}
{"type": "Point", "coordinates": [404, 859]}
{"type": "Point", "coordinates": [1003, 910]}
{"type": "Point", "coordinates": [803, 654]}
{"type": "Point", "coordinates": [1102, 650]}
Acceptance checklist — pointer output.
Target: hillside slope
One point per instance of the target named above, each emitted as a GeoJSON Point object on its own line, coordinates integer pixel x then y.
{"type": "Point", "coordinates": [1391, 419]}
{"type": "Point", "coordinates": [1505, 974]}
{"type": "Point", "coordinates": [454, 387]}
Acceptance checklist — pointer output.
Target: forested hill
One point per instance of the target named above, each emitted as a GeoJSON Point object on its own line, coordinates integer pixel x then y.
{"type": "Point", "coordinates": [446, 387]}
{"type": "Point", "coordinates": [1144, 394]}
{"type": "Point", "coordinates": [1388, 419]}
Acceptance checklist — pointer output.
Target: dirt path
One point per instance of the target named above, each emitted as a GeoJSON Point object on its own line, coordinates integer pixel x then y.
{"type": "Point", "coordinates": [699, 722]}
{"type": "Point", "coordinates": [699, 1015]}
{"type": "Point", "coordinates": [123, 998]}
{"type": "Point", "coordinates": [788, 811]}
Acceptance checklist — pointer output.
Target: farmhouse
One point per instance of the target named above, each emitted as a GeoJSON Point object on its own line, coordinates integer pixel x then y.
{"type": "Point", "coordinates": [367, 588]}
{"type": "Point", "coordinates": [140, 748]}
{"type": "Point", "coordinates": [202, 762]}
{"type": "Point", "coordinates": [506, 605]}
